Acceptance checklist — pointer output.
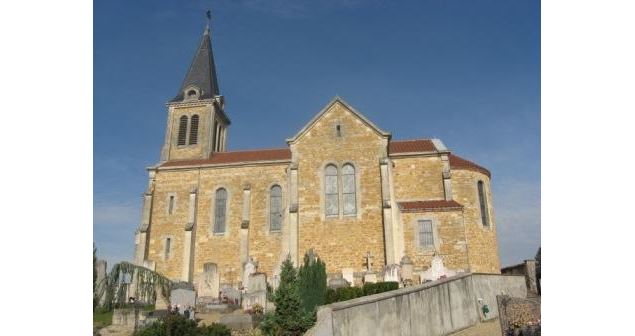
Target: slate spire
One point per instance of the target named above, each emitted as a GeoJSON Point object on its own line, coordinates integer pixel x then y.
{"type": "Point", "coordinates": [202, 72]}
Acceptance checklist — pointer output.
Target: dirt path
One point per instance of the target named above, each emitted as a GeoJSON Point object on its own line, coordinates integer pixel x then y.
{"type": "Point", "coordinates": [489, 328]}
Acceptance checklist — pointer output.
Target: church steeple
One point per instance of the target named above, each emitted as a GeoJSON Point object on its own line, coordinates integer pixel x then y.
{"type": "Point", "coordinates": [200, 81]}
{"type": "Point", "coordinates": [197, 123]}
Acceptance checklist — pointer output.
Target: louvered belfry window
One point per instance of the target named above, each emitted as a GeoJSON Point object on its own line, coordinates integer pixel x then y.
{"type": "Point", "coordinates": [483, 203]}
{"type": "Point", "coordinates": [182, 131]}
{"type": "Point", "coordinates": [348, 189]}
{"type": "Point", "coordinates": [331, 191]}
{"type": "Point", "coordinates": [220, 209]}
{"type": "Point", "coordinates": [194, 130]}
{"type": "Point", "coordinates": [275, 208]}
{"type": "Point", "coordinates": [426, 235]}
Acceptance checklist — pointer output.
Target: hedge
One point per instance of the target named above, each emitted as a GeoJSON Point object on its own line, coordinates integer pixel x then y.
{"type": "Point", "coordinates": [349, 293]}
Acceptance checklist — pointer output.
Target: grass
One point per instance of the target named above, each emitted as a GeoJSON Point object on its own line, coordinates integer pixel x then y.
{"type": "Point", "coordinates": [101, 320]}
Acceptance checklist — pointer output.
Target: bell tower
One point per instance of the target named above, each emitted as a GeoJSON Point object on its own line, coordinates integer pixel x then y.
{"type": "Point", "coordinates": [197, 123]}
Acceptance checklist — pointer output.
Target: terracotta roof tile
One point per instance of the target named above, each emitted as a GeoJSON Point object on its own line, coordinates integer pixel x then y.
{"type": "Point", "coordinates": [457, 162]}
{"type": "Point", "coordinates": [433, 205]}
{"type": "Point", "coordinates": [411, 146]}
{"type": "Point", "coordinates": [275, 154]}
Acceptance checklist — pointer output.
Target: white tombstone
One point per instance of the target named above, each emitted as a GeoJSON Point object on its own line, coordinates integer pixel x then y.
{"type": "Point", "coordinates": [208, 282]}
{"type": "Point", "coordinates": [370, 278]}
{"type": "Point", "coordinates": [406, 269]}
{"type": "Point", "coordinates": [250, 268]}
{"type": "Point", "coordinates": [183, 296]}
{"type": "Point", "coordinates": [391, 273]}
{"type": "Point", "coordinates": [256, 292]}
{"type": "Point", "coordinates": [349, 275]}
{"type": "Point", "coordinates": [436, 270]}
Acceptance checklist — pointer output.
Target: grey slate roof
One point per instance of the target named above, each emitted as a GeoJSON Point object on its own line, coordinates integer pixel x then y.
{"type": "Point", "coordinates": [202, 72]}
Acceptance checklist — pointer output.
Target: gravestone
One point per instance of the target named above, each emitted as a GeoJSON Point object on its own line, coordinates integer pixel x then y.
{"type": "Point", "coordinates": [336, 281]}
{"type": "Point", "coordinates": [370, 278]}
{"type": "Point", "coordinates": [349, 275]}
{"type": "Point", "coordinates": [183, 295]}
{"type": "Point", "coordinates": [391, 273]}
{"type": "Point", "coordinates": [406, 269]}
{"type": "Point", "coordinates": [256, 292]}
{"type": "Point", "coordinates": [436, 270]}
{"type": "Point", "coordinates": [208, 282]}
{"type": "Point", "coordinates": [149, 264]}
{"type": "Point", "coordinates": [250, 268]}
{"type": "Point", "coordinates": [230, 294]}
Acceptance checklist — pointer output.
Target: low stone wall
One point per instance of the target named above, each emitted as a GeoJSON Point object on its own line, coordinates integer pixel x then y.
{"type": "Point", "coordinates": [519, 314]}
{"type": "Point", "coordinates": [437, 308]}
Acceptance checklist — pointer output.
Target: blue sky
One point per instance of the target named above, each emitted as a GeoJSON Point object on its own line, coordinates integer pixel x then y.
{"type": "Point", "coordinates": [467, 72]}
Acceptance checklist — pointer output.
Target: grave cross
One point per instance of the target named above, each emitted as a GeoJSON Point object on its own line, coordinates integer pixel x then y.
{"type": "Point", "coordinates": [368, 260]}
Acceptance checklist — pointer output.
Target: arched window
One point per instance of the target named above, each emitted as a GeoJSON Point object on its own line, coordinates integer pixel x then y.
{"type": "Point", "coordinates": [348, 189]}
{"type": "Point", "coordinates": [331, 191]}
{"type": "Point", "coordinates": [220, 210]}
{"type": "Point", "coordinates": [182, 131]}
{"type": "Point", "coordinates": [483, 203]}
{"type": "Point", "coordinates": [275, 208]}
{"type": "Point", "coordinates": [194, 129]}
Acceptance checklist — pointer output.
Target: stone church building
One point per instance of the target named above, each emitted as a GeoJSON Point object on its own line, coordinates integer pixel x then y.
{"type": "Point", "coordinates": [341, 187]}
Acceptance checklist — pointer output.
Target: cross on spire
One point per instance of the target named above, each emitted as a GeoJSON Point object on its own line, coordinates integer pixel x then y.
{"type": "Point", "coordinates": [209, 19]}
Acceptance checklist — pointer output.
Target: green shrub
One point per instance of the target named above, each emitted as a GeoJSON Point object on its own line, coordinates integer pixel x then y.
{"type": "Point", "coordinates": [349, 293]}
{"type": "Point", "coordinates": [289, 318]}
{"type": "Point", "coordinates": [177, 325]}
{"type": "Point", "coordinates": [312, 283]}
{"type": "Point", "coordinates": [215, 329]}
{"type": "Point", "coordinates": [380, 287]}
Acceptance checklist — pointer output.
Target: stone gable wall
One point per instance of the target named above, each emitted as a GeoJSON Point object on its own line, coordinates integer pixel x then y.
{"type": "Point", "coordinates": [341, 242]}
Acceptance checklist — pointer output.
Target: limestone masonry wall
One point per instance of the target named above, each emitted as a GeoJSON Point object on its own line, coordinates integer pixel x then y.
{"type": "Point", "coordinates": [449, 239]}
{"type": "Point", "coordinates": [344, 240]}
{"type": "Point", "coordinates": [418, 178]}
{"type": "Point", "coordinates": [481, 240]}
{"type": "Point", "coordinates": [189, 151]}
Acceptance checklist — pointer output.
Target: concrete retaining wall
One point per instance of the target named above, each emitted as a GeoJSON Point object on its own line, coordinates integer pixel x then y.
{"type": "Point", "coordinates": [437, 308]}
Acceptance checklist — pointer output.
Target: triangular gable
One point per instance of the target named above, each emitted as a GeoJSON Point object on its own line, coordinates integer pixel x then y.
{"type": "Point", "coordinates": [320, 114]}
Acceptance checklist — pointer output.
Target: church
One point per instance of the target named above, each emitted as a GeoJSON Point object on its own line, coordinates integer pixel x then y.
{"type": "Point", "coordinates": [342, 188]}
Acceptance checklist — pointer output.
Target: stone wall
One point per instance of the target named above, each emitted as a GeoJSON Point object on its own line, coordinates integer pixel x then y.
{"type": "Point", "coordinates": [450, 240]}
{"type": "Point", "coordinates": [436, 308]}
{"type": "Point", "coordinates": [200, 149]}
{"type": "Point", "coordinates": [341, 242]}
{"type": "Point", "coordinates": [222, 249]}
{"type": "Point", "coordinates": [418, 178]}
{"type": "Point", "coordinates": [482, 245]}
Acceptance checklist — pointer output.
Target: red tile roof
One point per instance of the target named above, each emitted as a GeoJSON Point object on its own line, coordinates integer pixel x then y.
{"type": "Point", "coordinates": [434, 205]}
{"type": "Point", "coordinates": [411, 146]}
{"type": "Point", "coordinates": [459, 163]}
{"type": "Point", "coordinates": [275, 154]}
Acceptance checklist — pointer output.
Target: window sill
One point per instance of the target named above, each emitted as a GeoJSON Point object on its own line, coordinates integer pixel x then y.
{"type": "Point", "coordinates": [218, 234]}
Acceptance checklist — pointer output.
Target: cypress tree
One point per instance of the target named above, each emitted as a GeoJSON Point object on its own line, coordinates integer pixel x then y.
{"type": "Point", "coordinates": [289, 317]}
{"type": "Point", "coordinates": [312, 283]}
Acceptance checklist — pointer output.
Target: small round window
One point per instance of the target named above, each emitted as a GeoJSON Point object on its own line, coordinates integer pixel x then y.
{"type": "Point", "coordinates": [191, 93]}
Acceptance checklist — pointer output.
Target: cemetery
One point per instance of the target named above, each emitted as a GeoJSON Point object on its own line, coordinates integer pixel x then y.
{"type": "Point", "coordinates": [306, 299]}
